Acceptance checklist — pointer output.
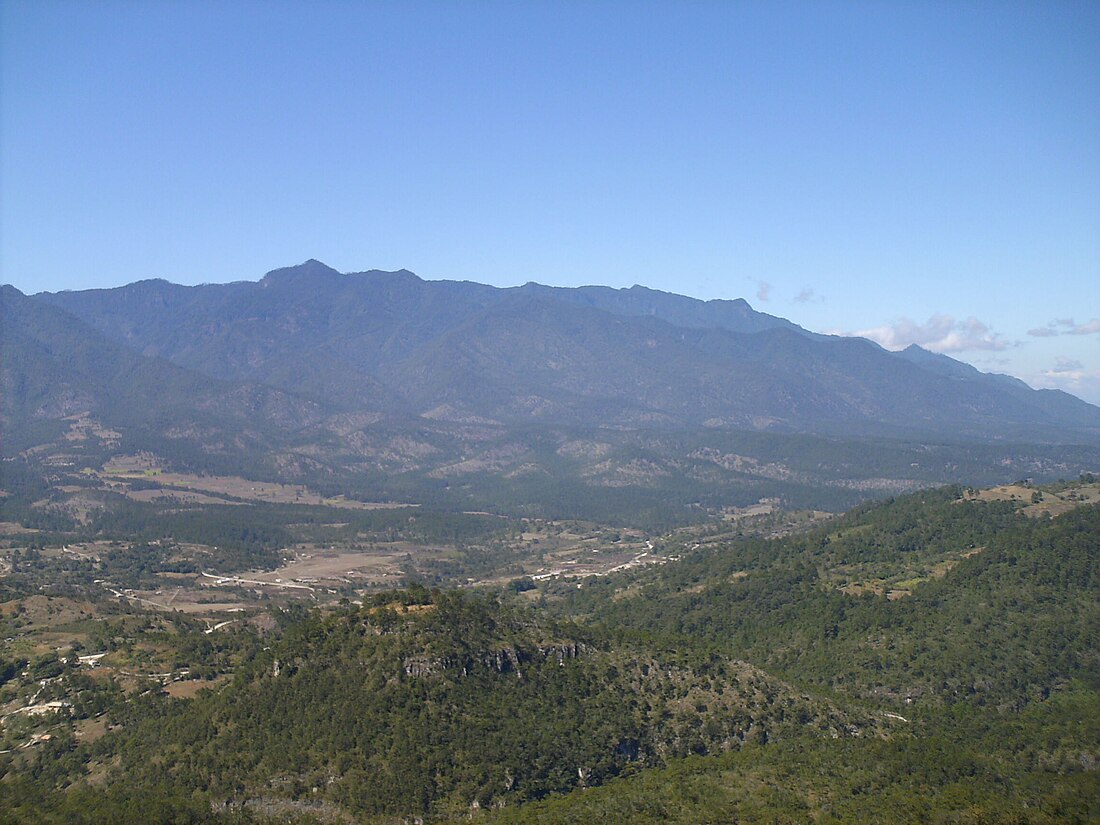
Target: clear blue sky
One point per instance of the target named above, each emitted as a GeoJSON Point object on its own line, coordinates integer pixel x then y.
{"type": "Point", "coordinates": [924, 172]}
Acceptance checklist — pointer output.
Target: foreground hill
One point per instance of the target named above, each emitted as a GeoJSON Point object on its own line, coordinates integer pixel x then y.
{"type": "Point", "coordinates": [929, 659]}
{"type": "Point", "coordinates": [987, 660]}
{"type": "Point", "coordinates": [930, 600]}
{"type": "Point", "coordinates": [427, 704]}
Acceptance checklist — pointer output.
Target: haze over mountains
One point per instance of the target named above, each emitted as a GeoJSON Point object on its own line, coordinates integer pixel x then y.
{"type": "Point", "coordinates": [380, 372]}
{"type": "Point", "coordinates": [380, 340]}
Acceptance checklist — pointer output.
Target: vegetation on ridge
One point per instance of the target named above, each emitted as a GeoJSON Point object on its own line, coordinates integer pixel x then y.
{"type": "Point", "coordinates": [797, 678]}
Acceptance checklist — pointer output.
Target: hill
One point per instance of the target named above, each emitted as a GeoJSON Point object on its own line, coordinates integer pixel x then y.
{"type": "Point", "coordinates": [927, 659]}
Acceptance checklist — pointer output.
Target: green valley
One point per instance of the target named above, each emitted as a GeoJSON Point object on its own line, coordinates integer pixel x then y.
{"type": "Point", "coordinates": [928, 658]}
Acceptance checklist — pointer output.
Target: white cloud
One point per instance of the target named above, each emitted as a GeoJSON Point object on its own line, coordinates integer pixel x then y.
{"type": "Point", "coordinates": [1070, 375]}
{"type": "Point", "coordinates": [763, 290]}
{"type": "Point", "coordinates": [1062, 364]}
{"type": "Point", "coordinates": [808, 296]}
{"type": "Point", "coordinates": [1087, 328]}
{"type": "Point", "coordinates": [1066, 326]}
{"type": "Point", "coordinates": [941, 333]}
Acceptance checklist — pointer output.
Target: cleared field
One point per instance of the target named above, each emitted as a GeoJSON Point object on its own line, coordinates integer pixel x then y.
{"type": "Point", "coordinates": [183, 496]}
{"type": "Point", "coordinates": [89, 730]}
{"type": "Point", "coordinates": [1006, 492]}
{"type": "Point", "coordinates": [190, 599]}
{"type": "Point", "coordinates": [10, 528]}
{"type": "Point", "coordinates": [324, 565]}
{"type": "Point", "coordinates": [242, 488]}
{"type": "Point", "coordinates": [187, 689]}
{"type": "Point", "coordinates": [1038, 502]}
{"type": "Point", "coordinates": [315, 574]}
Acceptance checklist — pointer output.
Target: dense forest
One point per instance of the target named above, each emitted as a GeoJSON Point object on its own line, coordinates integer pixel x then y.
{"type": "Point", "coordinates": [929, 658]}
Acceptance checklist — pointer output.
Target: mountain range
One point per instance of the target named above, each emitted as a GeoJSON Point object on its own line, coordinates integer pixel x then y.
{"type": "Point", "coordinates": [384, 371]}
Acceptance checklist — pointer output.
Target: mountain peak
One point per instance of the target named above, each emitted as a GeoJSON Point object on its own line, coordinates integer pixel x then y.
{"type": "Point", "coordinates": [308, 270]}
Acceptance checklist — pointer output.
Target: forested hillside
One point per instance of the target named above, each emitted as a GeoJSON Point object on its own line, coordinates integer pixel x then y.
{"type": "Point", "coordinates": [931, 658]}
{"type": "Point", "coordinates": [1002, 610]}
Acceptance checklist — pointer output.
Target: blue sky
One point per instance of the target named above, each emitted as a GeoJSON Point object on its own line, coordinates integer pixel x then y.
{"type": "Point", "coordinates": [915, 172]}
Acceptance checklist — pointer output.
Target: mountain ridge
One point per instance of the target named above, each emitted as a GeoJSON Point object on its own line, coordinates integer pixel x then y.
{"type": "Point", "coordinates": [585, 355]}
{"type": "Point", "coordinates": [386, 386]}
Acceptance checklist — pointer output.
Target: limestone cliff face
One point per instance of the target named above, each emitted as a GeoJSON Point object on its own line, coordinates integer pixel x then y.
{"type": "Point", "coordinates": [508, 659]}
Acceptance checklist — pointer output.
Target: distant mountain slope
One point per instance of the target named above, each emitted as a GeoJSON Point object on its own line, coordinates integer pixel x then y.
{"type": "Point", "coordinates": [1054, 404]}
{"type": "Point", "coordinates": [391, 342]}
{"type": "Point", "coordinates": [53, 366]}
{"type": "Point", "coordinates": [678, 310]}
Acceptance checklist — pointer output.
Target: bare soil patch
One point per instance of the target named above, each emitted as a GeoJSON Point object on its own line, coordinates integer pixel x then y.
{"type": "Point", "coordinates": [1037, 502]}
{"type": "Point", "coordinates": [89, 730]}
{"type": "Point", "coordinates": [11, 528]}
{"type": "Point", "coordinates": [183, 496]}
{"type": "Point", "coordinates": [189, 688]}
{"type": "Point", "coordinates": [237, 487]}
{"type": "Point", "coordinates": [335, 564]}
